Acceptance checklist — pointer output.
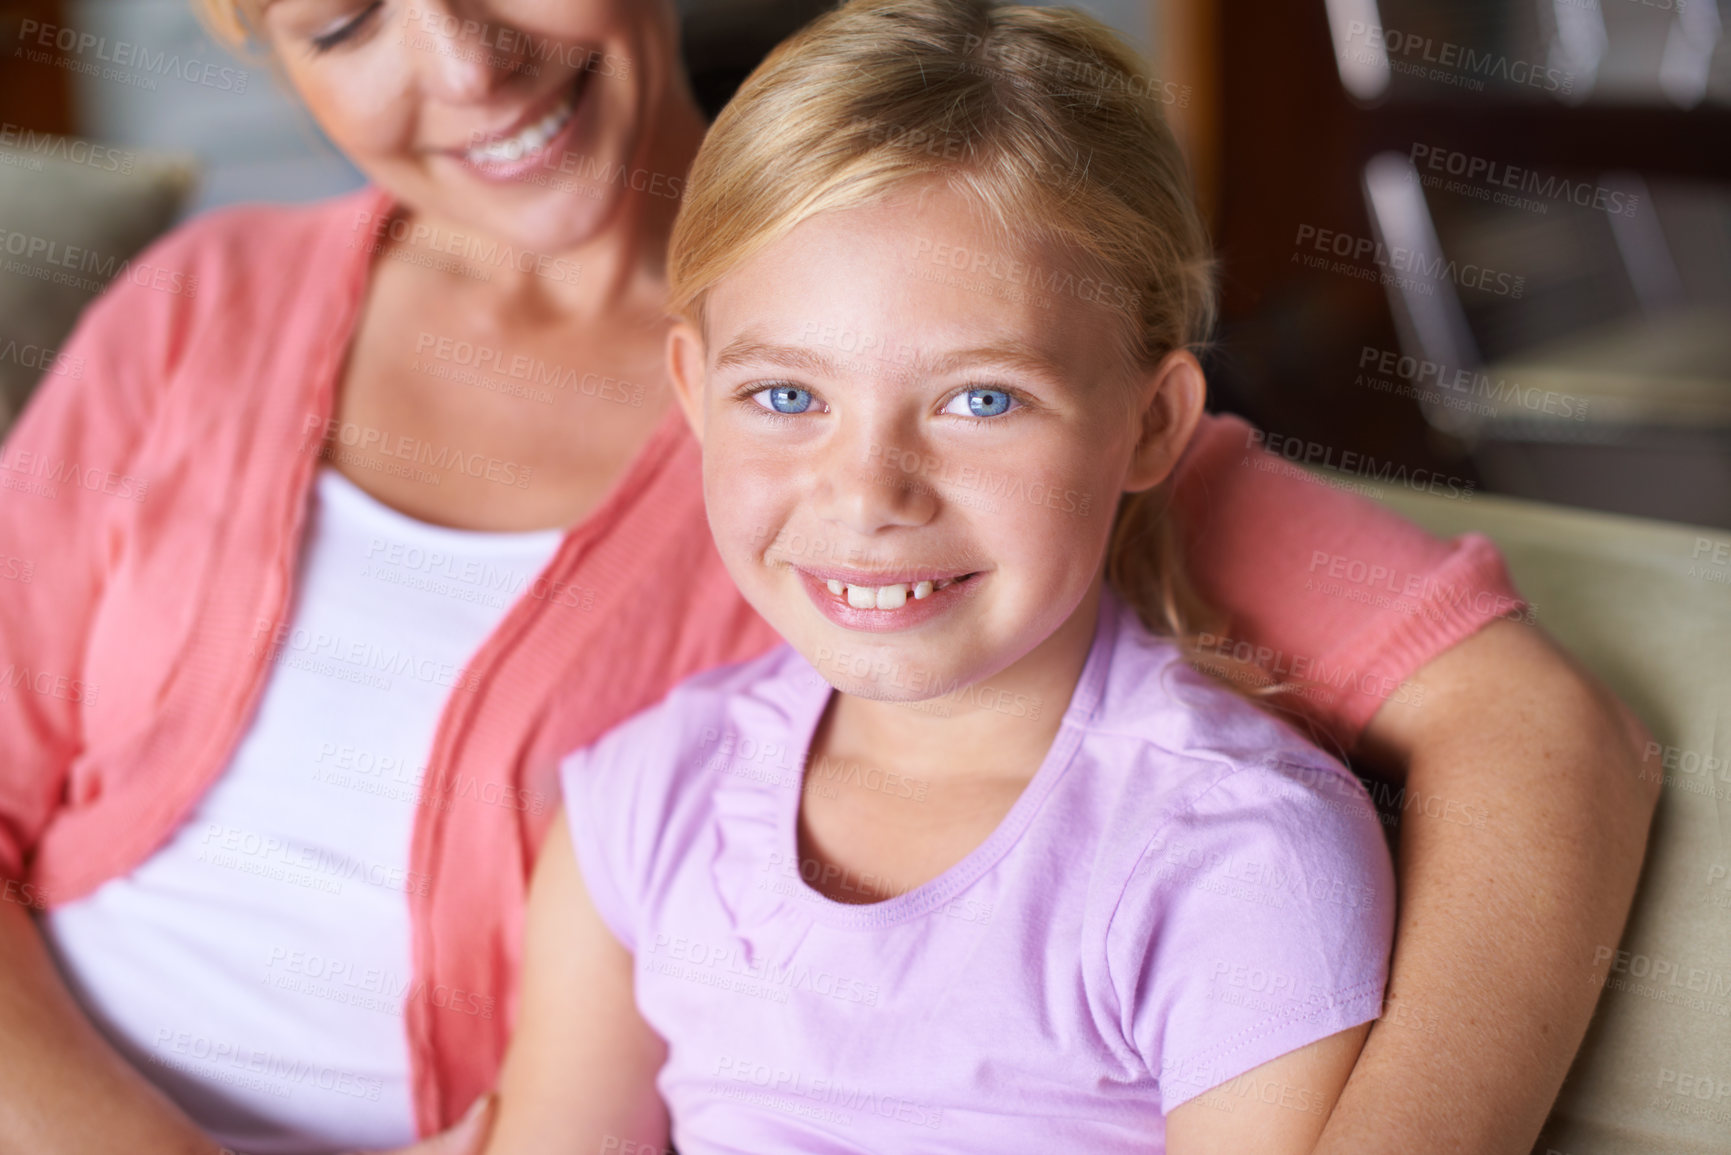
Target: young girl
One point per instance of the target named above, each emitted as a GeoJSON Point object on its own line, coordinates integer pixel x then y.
{"type": "Point", "coordinates": [976, 862]}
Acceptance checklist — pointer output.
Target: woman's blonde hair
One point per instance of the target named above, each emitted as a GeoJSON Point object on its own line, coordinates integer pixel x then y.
{"type": "Point", "coordinates": [1044, 118]}
{"type": "Point", "coordinates": [228, 20]}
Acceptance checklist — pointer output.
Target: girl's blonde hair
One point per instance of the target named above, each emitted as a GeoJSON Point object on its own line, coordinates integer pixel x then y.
{"type": "Point", "coordinates": [1044, 118]}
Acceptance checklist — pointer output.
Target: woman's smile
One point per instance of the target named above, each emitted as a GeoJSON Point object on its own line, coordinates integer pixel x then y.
{"type": "Point", "coordinates": [536, 140]}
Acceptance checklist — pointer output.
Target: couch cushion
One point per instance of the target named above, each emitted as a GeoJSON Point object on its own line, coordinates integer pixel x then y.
{"type": "Point", "coordinates": [72, 213]}
{"type": "Point", "coordinates": [1647, 607]}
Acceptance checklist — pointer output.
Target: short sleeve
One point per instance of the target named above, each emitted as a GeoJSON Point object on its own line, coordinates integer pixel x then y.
{"type": "Point", "coordinates": [580, 781]}
{"type": "Point", "coordinates": [1321, 584]}
{"type": "Point", "coordinates": [609, 790]}
{"type": "Point", "coordinates": [1258, 921]}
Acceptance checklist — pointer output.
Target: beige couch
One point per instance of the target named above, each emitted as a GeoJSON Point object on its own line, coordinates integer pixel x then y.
{"type": "Point", "coordinates": [1647, 606]}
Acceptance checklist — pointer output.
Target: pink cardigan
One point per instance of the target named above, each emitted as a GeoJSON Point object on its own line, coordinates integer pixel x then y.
{"type": "Point", "coordinates": [151, 510]}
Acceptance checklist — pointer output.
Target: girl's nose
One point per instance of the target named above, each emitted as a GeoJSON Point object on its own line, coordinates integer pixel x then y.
{"type": "Point", "coordinates": [465, 53]}
{"type": "Point", "coordinates": [864, 489]}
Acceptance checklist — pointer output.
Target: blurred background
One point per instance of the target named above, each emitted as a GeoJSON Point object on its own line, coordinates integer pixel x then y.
{"type": "Point", "coordinates": [1490, 239]}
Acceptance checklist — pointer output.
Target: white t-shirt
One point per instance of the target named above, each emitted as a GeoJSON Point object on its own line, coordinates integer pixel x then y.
{"type": "Point", "coordinates": [255, 967]}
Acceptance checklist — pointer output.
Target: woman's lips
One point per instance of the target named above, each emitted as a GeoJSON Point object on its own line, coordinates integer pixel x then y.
{"type": "Point", "coordinates": [509, 158]}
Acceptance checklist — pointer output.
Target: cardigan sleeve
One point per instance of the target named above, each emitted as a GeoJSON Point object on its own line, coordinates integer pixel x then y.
{"type": "Point", "coordinates": [1319, 584]}
{"type": "Point", "coordinates": [70, 476]}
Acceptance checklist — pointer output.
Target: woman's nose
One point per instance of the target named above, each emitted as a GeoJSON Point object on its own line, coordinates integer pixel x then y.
{"type": "Point", "coordinates": [870, 485]}
{"type": "Point", "coordinates": [466, 53]}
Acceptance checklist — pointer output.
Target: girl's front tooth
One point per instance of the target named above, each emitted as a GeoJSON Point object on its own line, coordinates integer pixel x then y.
{"type": "Point", "coordinates": [862, 597]}
{"type": "Point", "coordinates": [892, 597]}
{"type": "Point", "coordinates": [835, 587]}
{"type": "Point", "coordinates": [922, 590]}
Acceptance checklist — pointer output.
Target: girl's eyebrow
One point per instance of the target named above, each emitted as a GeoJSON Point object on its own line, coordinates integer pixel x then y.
{"type": "Point", "coordinates": [747, 350]}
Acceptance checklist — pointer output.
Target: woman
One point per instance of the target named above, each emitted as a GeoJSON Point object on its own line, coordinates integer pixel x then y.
{"type": "Point", "coordinates": [336, 554]}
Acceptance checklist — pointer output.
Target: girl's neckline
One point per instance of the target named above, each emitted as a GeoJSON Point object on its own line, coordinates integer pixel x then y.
{"type": "Point", "coordinates": [947, 885]}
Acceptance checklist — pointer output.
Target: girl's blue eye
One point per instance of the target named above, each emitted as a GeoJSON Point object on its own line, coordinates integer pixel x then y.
{"type": "Point", "coordinates": [980, 403]}
{"type": "Point", "coordinates": [783, 399]}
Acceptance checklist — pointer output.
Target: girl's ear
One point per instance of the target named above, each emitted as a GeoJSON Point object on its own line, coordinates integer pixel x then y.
{"type": "Point", "coordinates": [1172, 398]}
{"type": "Point", "coordinates": [685, 367]}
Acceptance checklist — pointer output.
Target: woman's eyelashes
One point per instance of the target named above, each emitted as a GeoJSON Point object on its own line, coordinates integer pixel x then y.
{"type": "Point", "coordinates": [344, 29]}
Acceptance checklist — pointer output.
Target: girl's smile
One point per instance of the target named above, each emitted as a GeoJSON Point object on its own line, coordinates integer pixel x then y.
{"type": "Point", "coordinates": [886, 603]}
{"type": "Point", "coordinates": [920, 510]}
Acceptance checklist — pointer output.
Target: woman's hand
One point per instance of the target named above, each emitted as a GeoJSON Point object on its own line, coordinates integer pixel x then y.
{"type": "Point", "coordinates": [467, 1137]}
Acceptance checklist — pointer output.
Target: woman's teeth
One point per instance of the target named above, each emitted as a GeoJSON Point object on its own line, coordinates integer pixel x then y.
{"type": "Point", "coordinates": [890, 597]}
{"type": "Point", "coordinates": [529, 140]}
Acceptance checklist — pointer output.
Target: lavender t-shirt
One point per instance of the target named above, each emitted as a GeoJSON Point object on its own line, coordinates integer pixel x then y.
{"type": "Point", "coordinates": [1185, 890]}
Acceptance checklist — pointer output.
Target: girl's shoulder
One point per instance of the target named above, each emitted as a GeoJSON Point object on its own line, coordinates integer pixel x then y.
{"type": "Point", "coordinates": [1154, 701]}
{"type": "Point", "coordinates": [741, 712]}
{"type": "Point", "coordinates": [1245, 883]}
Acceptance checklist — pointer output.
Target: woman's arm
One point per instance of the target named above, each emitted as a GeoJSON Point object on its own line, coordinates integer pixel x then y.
{"type": "Point", "coordinates": [580, 1072]}
{"type": "Point", "coordinates": [1494, 974]}
{"type": "Point", "coordinates": [63, 1089]}
{"type": "Point", "coordinates": [66, 1090]}
{"type": "Point", "coordinates": [1278, 1108]}
{"type": "Point", "coordinates": [1472, 717]}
